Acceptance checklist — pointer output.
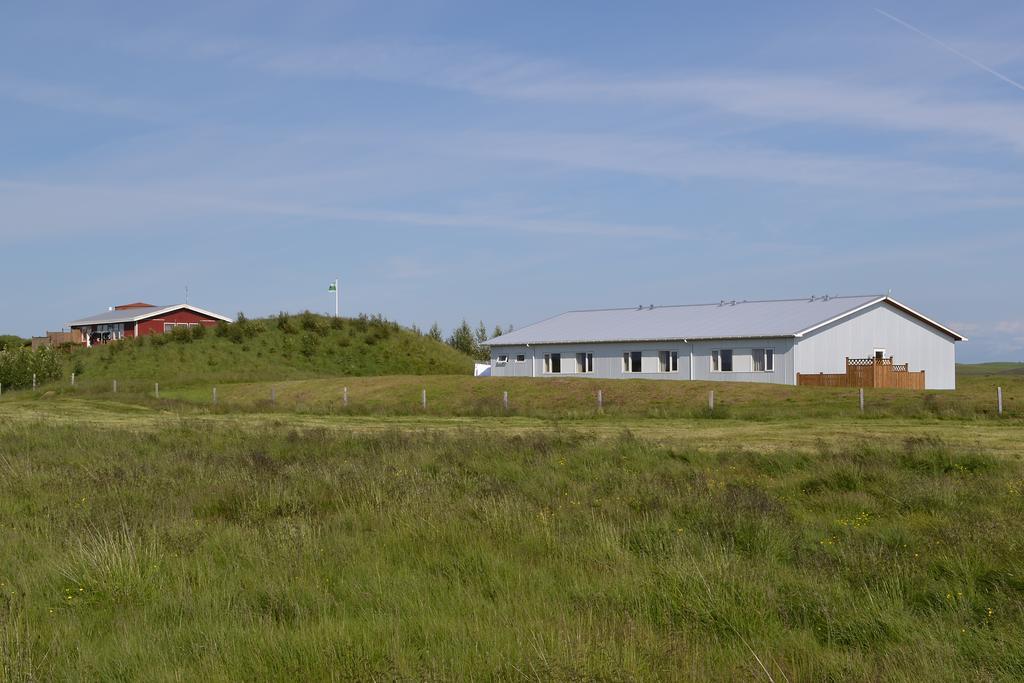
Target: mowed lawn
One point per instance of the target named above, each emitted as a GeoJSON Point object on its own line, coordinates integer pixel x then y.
{"type": "Point", "coordinates": [196, 548]}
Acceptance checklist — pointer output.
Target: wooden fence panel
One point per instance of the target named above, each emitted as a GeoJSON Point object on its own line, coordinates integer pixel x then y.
{"type": "Point", "coordinates": [879, 373]}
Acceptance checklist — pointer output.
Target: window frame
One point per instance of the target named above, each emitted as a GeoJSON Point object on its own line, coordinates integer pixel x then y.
{"type": "Point", "coordinates": [501, 359]}
{"type": "Point", "coordinates": [627, 362]}
{"type": "Point", "coordinates": [587, 366]}
{"type": "Point", "coordinates": [767, 359]}
{"type": "Point", "coordinates": [550, 359]}
{"type": "Point", "coordinates": [668, 361]}
{"type": "Point", "coordinates": [718, 360]}
{"type": "Point", "coordinates": [520, 357]}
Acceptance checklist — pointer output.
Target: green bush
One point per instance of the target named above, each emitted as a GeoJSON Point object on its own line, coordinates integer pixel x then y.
{"type": "Point", "coordinates": [241, 329]}
{"type": "Point", "coordinates": [198, 332]}
{"type": "Point", "coordinates": [18, 365]}
{"type": "Point", "coordinates": [284, 323]}
{"type": "Point", "coordinates": [181, 334]}
{"type": "Point", "coordinates": [309, 345]}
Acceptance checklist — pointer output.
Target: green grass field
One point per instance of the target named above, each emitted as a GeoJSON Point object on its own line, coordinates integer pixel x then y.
{"type": "Point", "coordinates": [784, 537]}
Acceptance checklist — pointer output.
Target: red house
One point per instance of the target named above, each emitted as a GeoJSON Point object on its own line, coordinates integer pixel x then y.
{"type": "Point", "coordinates": [141, 319]}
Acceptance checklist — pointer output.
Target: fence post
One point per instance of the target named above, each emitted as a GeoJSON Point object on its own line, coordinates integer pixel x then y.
{"type": "Point", "coordinates": [999, 399]}
{"type": "Point", "coordinates": [72, 379]}
{"type": "Point", "coordinates": [600, 400]}
{"type": "Point", "coordinates": [862, 399]}
{"type": "Point", "coordinates": [33, 381]}
{"type": "Point", "coordinates": [115, 386]}
{"type": "Point", "coordinates": [504, 400]}
{"type": "Point", "coordinates": [424, 399]}
{"type": "Point", "coordinates": [711, 400]}
{"type": "Point", "coordinates": [215, 394]}
{"type": "Point", "coordinates": [344, 397]}
{"type": "Point", "coordinates": [1, 388]}
{"type": "Point", "coordinates": [156, 389]}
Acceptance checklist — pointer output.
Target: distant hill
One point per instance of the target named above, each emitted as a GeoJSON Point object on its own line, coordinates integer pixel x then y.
{"type": "Point", "coordinates": [990, 369]}
{"type": "Point", "coordinates": [12, 340]}
{"type": "Point", "coordinates": [284, 347]}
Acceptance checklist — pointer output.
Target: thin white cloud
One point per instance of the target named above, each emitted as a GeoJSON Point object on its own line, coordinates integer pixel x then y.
{"type": "Point", "coordinates": [683, 160]}
{"type": "Point", "coordinates": [946, 46]}
{"type": "Point", "coordinates": [763, 96]}
{"type": "Point", "coordinates": [75, 98]}
{"type": "Point", "coordinates": [35, 209]}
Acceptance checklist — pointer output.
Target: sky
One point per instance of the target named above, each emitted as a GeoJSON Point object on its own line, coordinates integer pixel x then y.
{"type": "Point", "coordinates": [506, 162]}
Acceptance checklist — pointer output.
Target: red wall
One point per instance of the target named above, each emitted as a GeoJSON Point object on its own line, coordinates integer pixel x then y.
{"type": "Point", "coordinates": [182, 315]}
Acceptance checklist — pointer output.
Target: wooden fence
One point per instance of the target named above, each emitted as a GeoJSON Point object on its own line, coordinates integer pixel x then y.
{"type": "Point", "coordinates": [880, 373]}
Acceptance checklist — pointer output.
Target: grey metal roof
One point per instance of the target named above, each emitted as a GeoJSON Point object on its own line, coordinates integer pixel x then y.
{"type": "Point", "coordinates": [721, 320]}
{"type": "Point", "coordinates": [128, 315]}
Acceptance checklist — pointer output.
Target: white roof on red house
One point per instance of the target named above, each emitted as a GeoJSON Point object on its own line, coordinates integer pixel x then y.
{"type": "Point", "coordinates": [135, 314]}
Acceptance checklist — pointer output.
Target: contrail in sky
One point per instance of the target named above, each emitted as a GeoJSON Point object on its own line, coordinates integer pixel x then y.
{"type": "Point", "coordinates": [952, 49]}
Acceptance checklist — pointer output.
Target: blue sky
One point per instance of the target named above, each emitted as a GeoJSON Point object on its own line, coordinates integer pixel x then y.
{"type": "Point", "coordinates": [508, 161]}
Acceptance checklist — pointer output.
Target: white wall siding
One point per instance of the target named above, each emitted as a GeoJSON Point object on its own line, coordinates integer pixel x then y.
{"type": "Point", "coordinates": [743, 362]}
{"type": "Point", "coordinates": [904, 337]}
{"type": "Point", "coordinates": [608, 360]}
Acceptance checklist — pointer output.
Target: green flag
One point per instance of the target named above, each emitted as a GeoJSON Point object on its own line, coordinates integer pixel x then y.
{"type": "Point", "coordinates": [332, 287]}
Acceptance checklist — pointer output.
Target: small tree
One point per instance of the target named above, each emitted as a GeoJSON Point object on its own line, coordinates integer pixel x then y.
{"type": "Point", "coordinates": [483, 352]}
{"type": "Point", "coordinates": [462, 339]}
{"type": "Point", "coordinates": [497, 331]}
{"type": "Point", "coordinates": [435, 332]}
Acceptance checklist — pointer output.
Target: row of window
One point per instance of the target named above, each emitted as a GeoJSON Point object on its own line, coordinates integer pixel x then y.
{"type": "Point", "coordinates": [762, 360]}
{"type": "Point", "coordinates": [168, 327]}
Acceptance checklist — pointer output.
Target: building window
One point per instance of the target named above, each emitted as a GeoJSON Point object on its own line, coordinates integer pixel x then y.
{"type": "Point", "coordinates": [721, 360]}
{"type": "Point", "coordinates": [168, 327]}
{"type": "Point", "coordinates": [553, 363]}
{"type": "Point", "coordinates": [879, 354]}
{"type": "Point", "coordinates": [585, 362]}
{"type": "Point", "coordinates": [764, 360]}
{"type": "Point", "coordinates": [502, 360]}
{"type": "Point", "coordinates": [631, 361]}
{"type": "Point", "coordinates": [521, 358]}
{"type": "Point", "coordinates": [668, 361]}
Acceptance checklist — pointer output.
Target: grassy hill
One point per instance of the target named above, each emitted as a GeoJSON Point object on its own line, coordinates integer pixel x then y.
{"type": "Point", "coordinates": [286, 347]}
{"type": "Point", "coordinates": [985, 369]}
{"type": "Point", "coordinates": [12, 341]}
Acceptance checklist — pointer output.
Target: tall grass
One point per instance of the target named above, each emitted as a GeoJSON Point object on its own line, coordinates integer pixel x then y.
{"type": "Point", "coordinates": [194, 554]}
{"type": "Point", "coordinates": [452, 395]}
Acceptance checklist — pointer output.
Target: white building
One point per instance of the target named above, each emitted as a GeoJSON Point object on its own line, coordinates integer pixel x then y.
{"type": "Point", "coordinates": [739, 341]}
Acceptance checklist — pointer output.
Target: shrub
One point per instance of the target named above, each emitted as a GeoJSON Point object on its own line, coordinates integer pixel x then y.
{"type": "Point", "coordinates": [181, 334]}
{"type": "Point", "coordinates": [18, 365]}
{"type": "Point", "coordinates": [241, 329]}
{"type": "Point", "coordinates": [284, 323]}
{"type": "Point", "coordinates": [338, 323]}
{"type": "Point", "coordinates": [198, 332]}
{"type": "Point", "coordinates": [309, 345]}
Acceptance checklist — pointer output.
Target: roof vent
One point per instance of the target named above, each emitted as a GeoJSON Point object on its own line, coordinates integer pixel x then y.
{"type": "Point", "coordinates": [825, 298]}
{"type": "Point", "coordinates": [813, 297]}
{"type": "Point", "coordinates": [640, 307]}
{"type": "Point", "coordinates": [651, 307]}
{"type": "Point", "coordinates": [733, 302]}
